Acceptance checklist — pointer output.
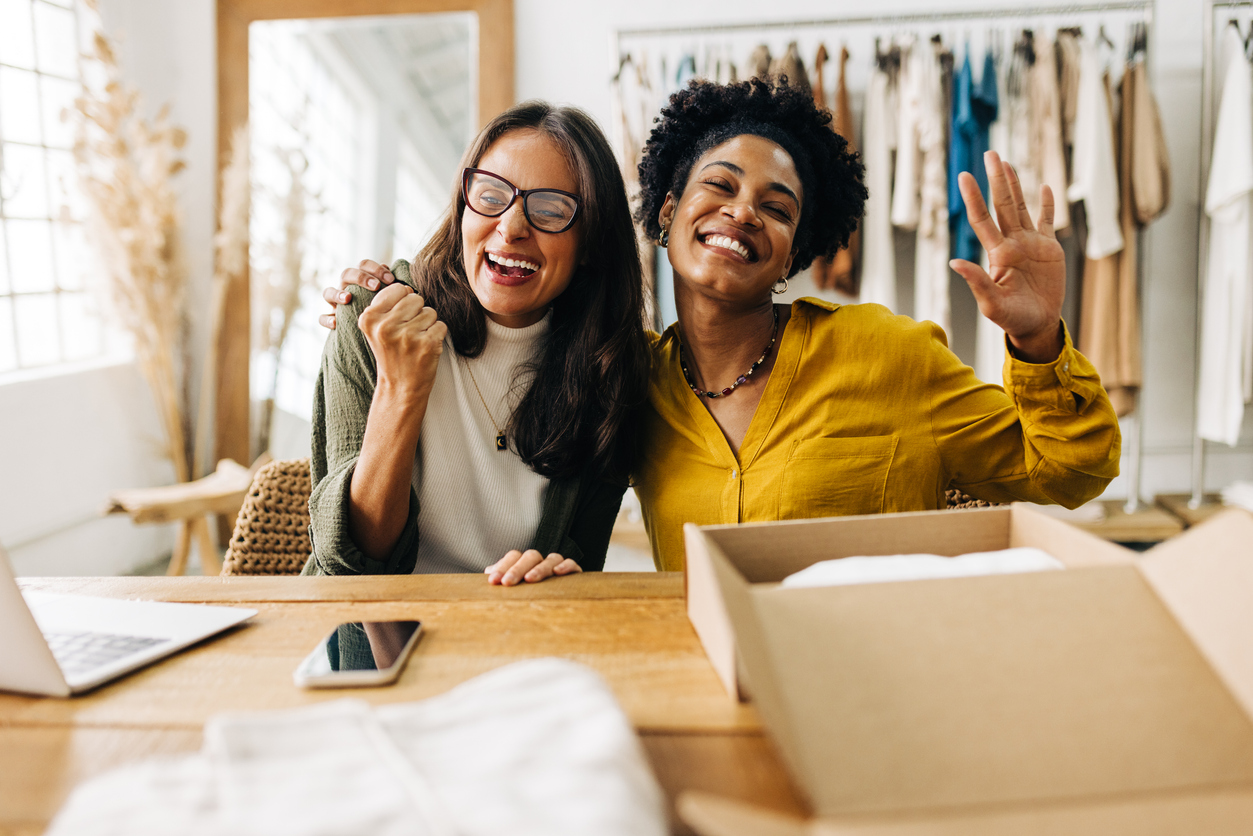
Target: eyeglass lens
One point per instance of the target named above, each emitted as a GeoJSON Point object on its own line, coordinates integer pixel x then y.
{"type": "Point", "coordinates": [546, 210]}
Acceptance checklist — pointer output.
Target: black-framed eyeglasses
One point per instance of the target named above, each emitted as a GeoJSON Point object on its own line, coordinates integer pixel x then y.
{"type": "Point", "coordinates": [490, 195]}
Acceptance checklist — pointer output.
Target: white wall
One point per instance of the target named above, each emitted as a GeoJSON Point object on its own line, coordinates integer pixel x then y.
{"type": "Point", "coordinates": [576, 34]}
{"type": "Point", "coordinates": [73, 437]}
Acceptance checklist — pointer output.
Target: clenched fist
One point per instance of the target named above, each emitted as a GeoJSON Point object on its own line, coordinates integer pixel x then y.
{"type": "Point", "coordinates": [406, 337]}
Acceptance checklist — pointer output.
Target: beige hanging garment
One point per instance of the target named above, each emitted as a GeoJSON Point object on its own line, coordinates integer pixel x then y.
{"type": "Point", "coordinates": [1046, 135]}
{"type": "Point", "coordinates": [1068, 61]}
{"type": "Point", "coordinates": [1107, 316]}
{"type": "Point", "coordinates": [840, 271]}
{"type": "Point", "coordinates": [791, 66]}
{"type": "Point", "coordinates": [759, 62]}
{"type": "Point", "coordinates": [1150, 160]}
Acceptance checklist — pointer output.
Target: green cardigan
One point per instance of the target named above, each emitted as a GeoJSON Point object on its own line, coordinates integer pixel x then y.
{"type": "Point", "coordinates": [576, 519]}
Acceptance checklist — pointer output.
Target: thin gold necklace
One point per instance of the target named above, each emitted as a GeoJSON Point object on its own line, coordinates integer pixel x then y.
{"type": "Point", "coordinates": [502, 444]}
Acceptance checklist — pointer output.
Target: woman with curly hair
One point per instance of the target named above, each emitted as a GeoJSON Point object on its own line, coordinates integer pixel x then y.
{"type": "Point", "coordinates": [486, 403]}
{"type": "Point", "coordinates": [763, 412]}
{"type": "Point", "coordinates": [760, 412]}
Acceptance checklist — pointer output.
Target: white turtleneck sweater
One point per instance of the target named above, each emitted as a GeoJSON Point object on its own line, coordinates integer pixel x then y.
{"type": "Point", "coordinates": [475, 503]}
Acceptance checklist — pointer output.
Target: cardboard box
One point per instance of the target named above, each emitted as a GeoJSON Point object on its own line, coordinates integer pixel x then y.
{"type": "Point", "coordinates": [1113, 697]}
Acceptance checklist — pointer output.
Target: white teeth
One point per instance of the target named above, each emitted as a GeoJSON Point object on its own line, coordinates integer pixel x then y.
{"type": "Point", "coordinates": [727, 243]}
{"type": "Point", "coordinates": [511, 262]}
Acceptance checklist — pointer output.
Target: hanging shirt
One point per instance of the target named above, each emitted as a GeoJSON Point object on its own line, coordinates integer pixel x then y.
{"type": "Point", "coordinates": [989, 338]}
{"type": "Point", "coordinates": [974, 111]}
{"type": "Point", "coordinates": [1221, 393]}
{"type": "Point", "coordinates": [931, 252]}
{"type": "Point", "coordinates": [1046, 136]}
{"type": "Point", "coordinates": [1095, 179]}
{"type": "Point", "coordinates": [908, 155]}
{"type": "Point", "coordinates": [840, 271]}
{"type": "Point", "coordinates": [878, 264]}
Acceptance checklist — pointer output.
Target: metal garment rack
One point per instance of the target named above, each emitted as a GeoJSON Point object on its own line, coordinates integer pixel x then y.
{"type": "Point", "coordinates": [1207, 150]}
{"type": "Point", "coordinates": [1145, 7]}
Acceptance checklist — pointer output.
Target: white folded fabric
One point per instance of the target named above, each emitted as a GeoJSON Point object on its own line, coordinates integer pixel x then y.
{"type": "Point", "coordinates": [537, 747]}
{"type": "Point", "coordinates": [911, 567]}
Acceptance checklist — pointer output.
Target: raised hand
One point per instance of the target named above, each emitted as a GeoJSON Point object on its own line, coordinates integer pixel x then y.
{"type": "Point", "coordinates": [1023, 289]}
{"type": "Point", "coordinates": [407, 339]}
{"type": "Point", "coordinates": [368, 274]}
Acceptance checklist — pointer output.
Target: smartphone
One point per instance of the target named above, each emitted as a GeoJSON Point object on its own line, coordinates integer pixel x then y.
{"type": "Point", "coordinates": [359, 654]}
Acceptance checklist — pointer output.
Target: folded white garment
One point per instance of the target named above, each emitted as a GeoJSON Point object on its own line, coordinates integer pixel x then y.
{"type": "Point", "coordinates": [537, 747]}
{"type": "Point", "coordinates": [1239, 494]}
{"type": "Point", "coordinates": [911, 567]}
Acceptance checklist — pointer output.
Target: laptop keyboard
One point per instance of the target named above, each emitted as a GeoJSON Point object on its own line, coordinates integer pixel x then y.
{"type": "Point", "coordinates": [82, 652]}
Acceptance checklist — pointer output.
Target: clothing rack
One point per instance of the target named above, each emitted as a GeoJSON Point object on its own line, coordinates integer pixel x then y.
{"type": "Point", "coordinates": [1207, 138]}
{"type": "Point", "coordinates": [897, 21]}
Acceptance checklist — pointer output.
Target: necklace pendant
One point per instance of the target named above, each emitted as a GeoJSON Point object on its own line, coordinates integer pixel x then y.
{"type": "Point", "coordinates": [501, 443]}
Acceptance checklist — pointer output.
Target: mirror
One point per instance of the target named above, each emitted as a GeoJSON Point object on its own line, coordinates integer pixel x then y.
{"type": "Point", "coordinates": [358, 115]}
{"type": "Point", "coordinates": [356, 128]}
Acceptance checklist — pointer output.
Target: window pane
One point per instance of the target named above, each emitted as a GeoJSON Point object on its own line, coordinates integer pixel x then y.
{"type": "Point", "coordinates": [37, 331]}
{"type": "Point", "coordinates": [72, 256]}
{"type": "Point", "coordinates": [80, 323]}
{"type": "Point", "coordinates": [4, 265]}
{"type": "Point", "coordinates": [54, 40]}
{"type": "Point", "coordinates": [8, 354]}
{"type": "Point", "coordinates": [26, 194]}
{"type": "Point", "coordinates": [15, 33]}
{"type": "Point", "coordinates": [30, 254]}
{"type": "Point", "coordinates": [19, 106]}
{"type": "Point", "coordinates": [57, 95]}
{"type": "Point", "coordinates": [63, 194]}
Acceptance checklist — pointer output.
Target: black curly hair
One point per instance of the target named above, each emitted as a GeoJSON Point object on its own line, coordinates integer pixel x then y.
{"type": "Point", "coordinates": [704, 115]}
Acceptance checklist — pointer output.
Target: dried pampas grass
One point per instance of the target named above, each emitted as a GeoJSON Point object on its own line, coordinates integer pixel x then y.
{"type": "Point", "coordinates": [230, 261]}
{"type": "Point", "coordinates": [126, 165]}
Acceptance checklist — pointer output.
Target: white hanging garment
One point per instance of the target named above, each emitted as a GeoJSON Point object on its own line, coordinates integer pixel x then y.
{"type": "Point", "coordinates": [909, 112]}
{"type": "Point", "coordinates": [989, 338]}
{"type": "Point", "coordinates": [1225, 356]}
{"type": "Point", "coordinates": [1095, 179]}
{"type": "Point", "coordinates": [878, 264]}
{"type": "Point", "coordinates": [931, 255]}
{"type": "Point", "coordinates": [1047, 151]}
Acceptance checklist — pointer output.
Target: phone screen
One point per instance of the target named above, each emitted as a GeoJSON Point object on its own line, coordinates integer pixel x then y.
{"type": "Point", "coordinates": [359, 653]}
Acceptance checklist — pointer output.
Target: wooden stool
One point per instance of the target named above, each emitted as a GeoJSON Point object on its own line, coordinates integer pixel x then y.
{"type": "Point", "coordinates": [190, 503]}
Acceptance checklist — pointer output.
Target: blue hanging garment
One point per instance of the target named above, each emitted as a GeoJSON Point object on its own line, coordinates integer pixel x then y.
{"type": "Point", "coordinates": [974, 111]}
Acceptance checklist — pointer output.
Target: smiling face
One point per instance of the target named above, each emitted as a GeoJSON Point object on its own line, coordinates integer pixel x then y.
{"type": "Point", "coordinates": [514, 269]}
{"type": "Point", "coordinates": [731, 233]}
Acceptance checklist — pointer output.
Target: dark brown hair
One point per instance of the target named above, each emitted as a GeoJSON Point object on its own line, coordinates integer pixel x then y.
{"type": "Point", "coordinates": [591, 376]}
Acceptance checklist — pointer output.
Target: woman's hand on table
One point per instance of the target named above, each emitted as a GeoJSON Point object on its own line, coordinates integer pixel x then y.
{"type": "Point", "coordinates": [1023, 289]}
{"type": "Point", "coordinates": [368, 274]}
{"type": "Point", "coordinates": [529, 566]}
{"type": "Point", "coordinates": [407, 339]}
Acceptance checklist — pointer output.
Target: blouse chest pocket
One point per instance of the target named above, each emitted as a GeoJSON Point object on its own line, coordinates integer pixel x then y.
{"type": "Point", "coordinates": [830, 477]}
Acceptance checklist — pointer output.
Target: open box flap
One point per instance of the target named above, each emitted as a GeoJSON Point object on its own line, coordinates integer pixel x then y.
{"type": "Point", "coordinates": [1209, 812]}
{"type": "Point", "coordinates": [1072, 546]}
{"type": "Point", "coordinates": [993, 690]}
{"type": "Point", "coordinates": [1205, 578]}
{"type": "Point", "coordinates": [706, 610]}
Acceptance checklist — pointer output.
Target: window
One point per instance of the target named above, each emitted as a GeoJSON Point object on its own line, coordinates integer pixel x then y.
{"type": "Point", "coordinates": [419, 203]}
{"type": "Point", "coordinates": [47, 316]}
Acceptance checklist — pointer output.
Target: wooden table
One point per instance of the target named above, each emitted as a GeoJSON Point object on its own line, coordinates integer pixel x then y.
{"type": "Point", "coordinates": [631, 627]}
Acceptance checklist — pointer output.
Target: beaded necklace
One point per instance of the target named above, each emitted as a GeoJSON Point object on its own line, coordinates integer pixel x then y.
{"type": "Point", "coordinates": [774, 333]}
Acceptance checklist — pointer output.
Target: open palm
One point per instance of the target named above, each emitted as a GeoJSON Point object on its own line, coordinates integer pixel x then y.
{"type": "Point", "coordinates": [1023, 289]}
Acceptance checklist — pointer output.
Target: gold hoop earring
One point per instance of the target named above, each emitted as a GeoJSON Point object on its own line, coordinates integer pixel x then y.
{"type": "Point", "coordinates": [775, 289]}
{"type": "Point", "coordinates": [663, 240]}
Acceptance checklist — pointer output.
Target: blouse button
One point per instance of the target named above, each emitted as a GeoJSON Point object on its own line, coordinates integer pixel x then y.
{"type": "Point", "coordinates": [732, 474]}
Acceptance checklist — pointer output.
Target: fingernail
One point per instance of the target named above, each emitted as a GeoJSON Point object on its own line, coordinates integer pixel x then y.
{"type": "Point", "coordinates": [388, 277]}
{"type": "Point", "coordinates": [373, 284]}
{"type": "Point", "coordinates": [345, 297]}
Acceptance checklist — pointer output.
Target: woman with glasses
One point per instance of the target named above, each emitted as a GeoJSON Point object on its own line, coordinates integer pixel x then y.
{"type": "Point", "coordinates": [759, 411]}
{"type": "Point", "coordinates": [486, 403]}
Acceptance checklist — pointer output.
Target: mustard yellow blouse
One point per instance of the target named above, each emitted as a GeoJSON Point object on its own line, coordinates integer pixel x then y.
{"type": "Point", "coordinates": [867, 412]}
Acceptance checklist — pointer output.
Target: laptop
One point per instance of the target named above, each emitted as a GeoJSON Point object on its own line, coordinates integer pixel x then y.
{"type": "Point", "coordinates": [59, 645]}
